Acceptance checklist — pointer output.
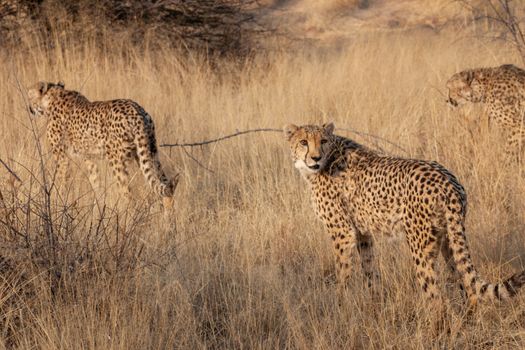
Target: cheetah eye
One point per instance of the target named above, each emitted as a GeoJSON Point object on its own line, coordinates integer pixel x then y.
{"type": "Point", "coordinates": [303, 142]}
{"type": "Point", "coordinates": [323, 141]}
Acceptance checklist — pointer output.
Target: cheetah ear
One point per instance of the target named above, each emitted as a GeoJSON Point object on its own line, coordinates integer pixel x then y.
{"type": "Point", "coordinates": [469, 77]}
{"type": "Point", "coordinates": [42, 87]}
{"type": "Point", "coordinates": [61, 84]}
{"type": "Point", "coordinates": [289, 130]}
{"type": "Point", "coordinates": [329, 127]}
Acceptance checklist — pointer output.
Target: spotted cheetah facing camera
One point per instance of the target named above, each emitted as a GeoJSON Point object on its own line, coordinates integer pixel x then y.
{"type": "Point", "coordinates": [502, 90]}
{"type": "Point", "coordinates": [360, 195]}
{"type": "Point", "coordinates": [119, 131]}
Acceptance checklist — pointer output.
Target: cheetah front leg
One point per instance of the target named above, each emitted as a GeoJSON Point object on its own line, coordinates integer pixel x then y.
{"type": "Point", "coordinates": [55, 137]}
{"type": "Point", "coordinates": [94, 181]}
{"type": "Point", "coordinates": [343, 236]}
{"type": "Point", "coordinates": [332, 212]}
{"type": "Point", "coordinates": [344, 242]}
{"type": "Point", "coordinates": [60, 178]}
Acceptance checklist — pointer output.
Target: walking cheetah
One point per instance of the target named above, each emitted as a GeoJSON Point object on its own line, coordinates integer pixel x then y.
{"type": "Point", "coordinates": [360, 195]}
{"type": "Point", "coordinates": [119, 131]}
{"type": "Point", "coordinates": [502, 90]}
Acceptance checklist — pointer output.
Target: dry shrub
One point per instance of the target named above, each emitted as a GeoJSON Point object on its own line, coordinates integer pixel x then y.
{"type": "Point", "coordinates": [504, 20]}
{"type": "Point", "coordinates": [217, 27]}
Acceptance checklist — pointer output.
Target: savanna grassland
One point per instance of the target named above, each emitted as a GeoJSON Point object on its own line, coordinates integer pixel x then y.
{"type": "Point", "coordinates": [243, 263]}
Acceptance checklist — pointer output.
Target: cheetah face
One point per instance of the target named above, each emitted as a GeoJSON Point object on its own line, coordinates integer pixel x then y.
{"type": "Point", "coordinates": [310, 146]}
{"type": "Point", "coordinates": [40, 97]}
{"type": "Point", "coordinates": [462, 88]}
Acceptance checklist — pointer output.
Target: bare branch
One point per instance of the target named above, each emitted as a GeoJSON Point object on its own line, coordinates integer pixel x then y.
{"type": "Point", "coordinates": [196, 160]}
{"type": "Point", "coordinates": [504, 14]}
{"type": "Point", "coordinates": [206, 142]}
{"type": "Point", "coordinates": [239, 133]}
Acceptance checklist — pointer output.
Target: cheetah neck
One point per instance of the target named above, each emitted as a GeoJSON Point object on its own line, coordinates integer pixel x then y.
{"type": "Point", "coordinates": [486, 78]}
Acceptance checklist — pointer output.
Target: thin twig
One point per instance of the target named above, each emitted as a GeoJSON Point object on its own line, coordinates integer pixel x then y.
{"type": "Point", "coordinates": [361, 133]}
{"type": "Point", "coordinates": [434, 87]}
{"type": "Point", "coordinates": [85, 80]}
{"type": "Point", "coordinates": [11, 171]}
{"type": "Point", "coordinates": [197, 161]}
{"type": "Point", "coordinates": [46, 188]}
{"type": "Point", "coordinates": [207, 142]}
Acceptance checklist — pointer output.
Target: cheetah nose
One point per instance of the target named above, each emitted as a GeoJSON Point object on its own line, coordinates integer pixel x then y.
{"type": "Point", "coordinates": [316, 159]}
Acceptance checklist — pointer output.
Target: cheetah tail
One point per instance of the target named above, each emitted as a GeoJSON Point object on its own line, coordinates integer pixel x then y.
{"type": "Point", "coordinates": [150, 165]}
{"type": "Point", "coordinates": [476, 287]}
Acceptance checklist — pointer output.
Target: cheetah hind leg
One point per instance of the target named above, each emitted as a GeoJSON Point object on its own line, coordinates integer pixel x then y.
{"type": "Point", "coordinates": [119, 168]}
{"type": "Point", "coordinates": [423, 244]}
{"type": "Point", "coordinates": [514, 148]}
{"type": "Point", "coordinates": [453, 278]}
{"type": "Point", "coordinates": [365, 247]}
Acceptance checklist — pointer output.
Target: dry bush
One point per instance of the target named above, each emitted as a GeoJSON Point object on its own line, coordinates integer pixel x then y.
{"type": "Point", "coordinates": [217, 27]}
{"type": "Point", "coordinates": [334, 6]}
{"type": "Point", "coordinates": [505, 18]}
{"type": "Point", "coordinates": [247, 265]}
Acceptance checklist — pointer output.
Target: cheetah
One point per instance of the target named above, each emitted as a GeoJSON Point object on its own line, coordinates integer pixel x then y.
{"type": "Point", "coordinates": [118, 130]}
{"type": "Point", "coordinates": [360, 195]}
{"type": "Point", "coordinates": [502, 90]}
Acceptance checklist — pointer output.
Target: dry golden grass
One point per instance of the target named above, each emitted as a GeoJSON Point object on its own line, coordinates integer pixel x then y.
{"type": "Point", "coordinates": [247, 265]}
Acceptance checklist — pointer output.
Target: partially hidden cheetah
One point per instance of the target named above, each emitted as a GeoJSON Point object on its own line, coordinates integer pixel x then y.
{"type": "Point", "coordinates": [119, 131]}
{"type": "Point", "coordinates": [360, 195]}
{"type": "Point", "coordinates": [502, 90]}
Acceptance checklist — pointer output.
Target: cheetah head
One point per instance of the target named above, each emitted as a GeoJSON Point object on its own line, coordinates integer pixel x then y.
{"type": "Point", "coordinates": [464, 87]}
{"type": "Point", "coordinates": [310, 146]}
{"type": "Point", "coordinates": [40, 96]}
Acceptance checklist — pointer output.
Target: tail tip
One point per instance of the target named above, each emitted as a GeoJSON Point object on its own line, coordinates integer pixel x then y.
{"type": "Point", "coordinates": [169, 191]}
